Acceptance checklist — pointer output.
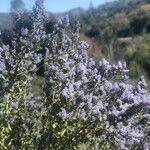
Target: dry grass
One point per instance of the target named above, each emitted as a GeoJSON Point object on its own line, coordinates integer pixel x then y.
{"type": "Point", "coordinates": [95, 50]}
{"type": "Point", "coordinates": [145, 8]}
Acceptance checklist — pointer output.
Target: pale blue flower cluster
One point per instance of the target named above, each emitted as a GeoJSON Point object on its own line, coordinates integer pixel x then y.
{"type": "Point", "coordinates": [97, 91]}
{"type": "Point", "coordinates": [76, 88]}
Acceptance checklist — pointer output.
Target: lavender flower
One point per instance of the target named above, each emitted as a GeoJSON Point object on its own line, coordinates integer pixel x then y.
{"type": "Point", "coordinates": [64, 21]}
{"type": "Point", "coordinates": [93, 101]}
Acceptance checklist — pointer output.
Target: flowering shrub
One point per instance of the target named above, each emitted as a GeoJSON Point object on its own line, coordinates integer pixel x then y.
{"type": "Point", "coordinates": [83, 102]}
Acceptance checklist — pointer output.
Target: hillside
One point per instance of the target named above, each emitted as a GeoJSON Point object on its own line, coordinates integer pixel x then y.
{"type": "Point", "coordinates": [5, 21]}
{"type": "Point", "coordinates": [122, 29]}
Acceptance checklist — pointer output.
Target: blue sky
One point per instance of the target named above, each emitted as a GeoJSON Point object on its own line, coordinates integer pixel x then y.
{"type": "Point", "coordinates": [55, 5]}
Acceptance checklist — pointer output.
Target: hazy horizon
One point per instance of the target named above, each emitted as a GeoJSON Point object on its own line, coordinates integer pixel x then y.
{"type": "Point", "coordinates": [56, 6]}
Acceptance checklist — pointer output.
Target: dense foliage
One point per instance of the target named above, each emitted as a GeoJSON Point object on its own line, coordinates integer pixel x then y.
{"type": "Point", "coordinates": [82, 102]}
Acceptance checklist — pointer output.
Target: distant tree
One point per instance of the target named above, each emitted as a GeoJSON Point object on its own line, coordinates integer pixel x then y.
{"type": "Point", "coordinates": [17, 5]}
{"type": "Point", "coordinates": [91, 6]}
{"type": "Point", "coordinates": [21, 17]}
{"type": "Point", "coordinates": [91, 13]}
